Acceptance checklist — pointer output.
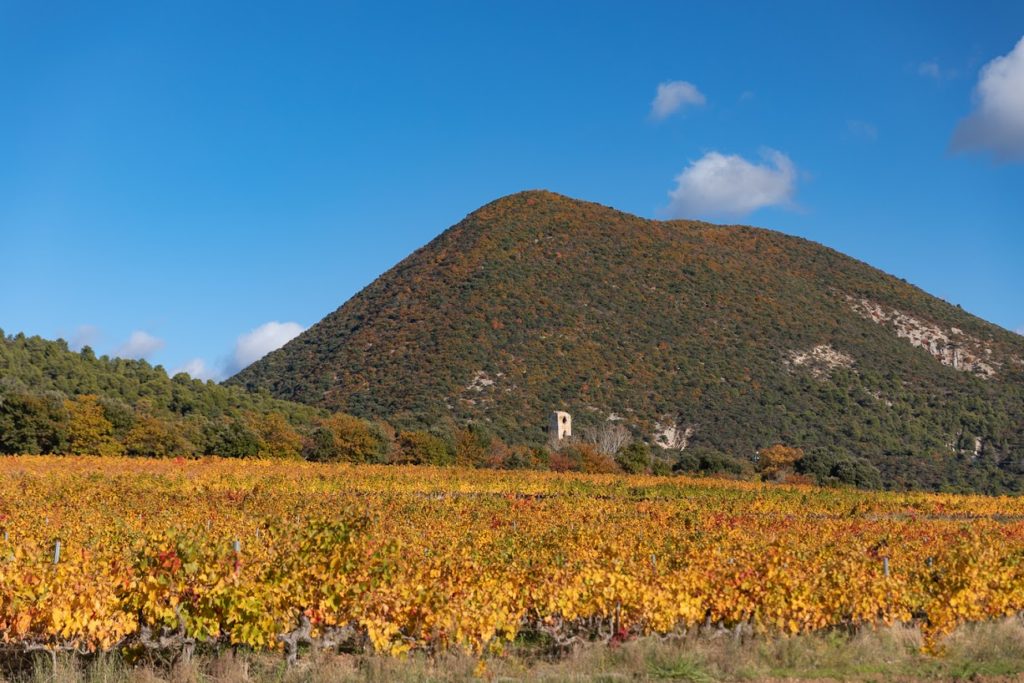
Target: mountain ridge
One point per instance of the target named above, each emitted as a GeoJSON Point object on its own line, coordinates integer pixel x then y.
{"type": "Point", "coordinates": [737, 336]}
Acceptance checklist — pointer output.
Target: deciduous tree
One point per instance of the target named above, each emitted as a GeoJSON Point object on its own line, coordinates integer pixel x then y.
{"type": "Point", "coordinates": [89, 431]}
{"type": "Point", "coordinates": [778, 459]}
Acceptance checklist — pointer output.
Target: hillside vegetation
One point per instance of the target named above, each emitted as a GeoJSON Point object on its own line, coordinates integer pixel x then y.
{"type": "Point", "coordinates": [57, 401]}
{"type": "Point", "coordinates": [54, 400]}
{"type": "Point", "coordinates": [720, 340]}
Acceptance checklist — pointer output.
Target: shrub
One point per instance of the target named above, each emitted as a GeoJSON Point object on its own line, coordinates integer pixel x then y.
{"type": "Point", "coordinates": [831, 467]}
{"type": "Point", "coordinates": [634, 458]}
{"type": "Point", "coordinates": [342, 437]}
{"type": "Point", "coordinates": [586, 458]}
{"type": "Point", "coordinates": [704, 460]}
{"type": "Point", "coordinates": [423, 448]}
{"type": "Point", "coordinates": [234, 439]}
{"type": "Point", "coordinates": [472, 447]}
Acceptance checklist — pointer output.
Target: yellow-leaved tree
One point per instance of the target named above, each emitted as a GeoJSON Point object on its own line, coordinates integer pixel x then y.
{"type": "Point", "coordinates": [778, 460]}
{"type": "Point", "coordinates": [151, 436]}
{"type": "Point", "coordinates": [353, 438]}
{"type": "Point", "coordinates": [278, 439]}
{"type": "Point", "coordinates": [89, 430]}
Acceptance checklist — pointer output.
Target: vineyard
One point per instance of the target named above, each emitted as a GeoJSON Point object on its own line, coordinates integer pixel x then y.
{"type": "Point", "coordinates": [99, 554]}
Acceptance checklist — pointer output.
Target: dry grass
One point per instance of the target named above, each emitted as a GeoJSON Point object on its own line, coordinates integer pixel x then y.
{"type": "Point", "coordinates": [983, 652]}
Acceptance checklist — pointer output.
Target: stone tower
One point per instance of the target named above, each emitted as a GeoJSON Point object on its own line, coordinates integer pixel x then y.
{"type": "Point", "coordinates": [559, 425]}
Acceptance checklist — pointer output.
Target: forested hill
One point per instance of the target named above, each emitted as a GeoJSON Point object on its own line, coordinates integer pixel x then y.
{"type": "Point", "coordinates": [692, 334]}
{"type": "Point", "coordinates": [130, 404]}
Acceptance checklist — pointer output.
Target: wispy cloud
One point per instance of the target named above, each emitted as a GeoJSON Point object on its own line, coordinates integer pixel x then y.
{"type": "Point", "coordinates": [930, 70]}
{"type": "Point", "coordinates": [140, 344]}
{"type": "Point", "coordinates": [862, 130]}
{"type": "Point", "coordinates": [248, 349]}
{"type": "Point", "coordinates": [934, 71]}
{"type": "Point", "coordinates": [198, 369]}
{"type": "Point", "coordinates": [252, 346]}
{"type": "Point", "coordinates": [85, 335]}
{"type": "Point", "coordinates": [673, 96]}
{"type": "Point", "coordinates": [729, 185]}
{"type": "Point", "coordinates": [997, 123]}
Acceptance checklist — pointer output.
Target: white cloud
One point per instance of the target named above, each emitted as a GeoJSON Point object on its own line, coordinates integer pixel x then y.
{"type": "Point", "coordinates": [719, 184]}
{"type": "Point", "coordinates": [252, 346]}
{"type": "Point", "coordinates": [197, 369]}
{"type": "Point", "coordinates": [672, 96]}
{"type": "Point", "coordinates": [1020, 330]}
{"type": "Point", "coordinates": [249, 348]}
{"type": "Point", "coordinates": [85, 335]}
{"type": "Point", "coordinates": [997, 122]}
{"type": "Point", "coordinates": [139, 345]}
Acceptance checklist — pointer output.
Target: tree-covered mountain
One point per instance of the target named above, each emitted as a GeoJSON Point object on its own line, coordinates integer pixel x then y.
{"type": "Point", "coordinates": [699, 337]}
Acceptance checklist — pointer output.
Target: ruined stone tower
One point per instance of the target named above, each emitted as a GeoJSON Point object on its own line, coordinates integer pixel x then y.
{"type": "Point", "coordinates": [559, 425]}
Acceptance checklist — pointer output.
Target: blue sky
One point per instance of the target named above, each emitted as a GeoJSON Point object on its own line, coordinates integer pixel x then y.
{"type": "Point", "coordinates": [175, 176]}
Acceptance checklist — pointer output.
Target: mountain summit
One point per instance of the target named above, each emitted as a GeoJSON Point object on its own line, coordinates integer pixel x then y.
{"type": "Point", "coordinates": [693, 335]}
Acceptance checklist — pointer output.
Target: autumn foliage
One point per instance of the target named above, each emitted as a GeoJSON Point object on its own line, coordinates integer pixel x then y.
{"type": "Point", "coordinates": [256, 554]}
{"type": "Point", "coordinates": [779, 459]}
{"type": "Point", "coordinates": [88, 429]}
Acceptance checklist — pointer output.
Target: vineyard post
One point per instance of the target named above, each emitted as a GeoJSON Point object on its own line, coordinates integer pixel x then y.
{"type": "Point", "coordinates": [236, 546]}
{"type": "Point", "coordinates": [885, 566]}
{"type": "Point", "coordinates": [56, 552]}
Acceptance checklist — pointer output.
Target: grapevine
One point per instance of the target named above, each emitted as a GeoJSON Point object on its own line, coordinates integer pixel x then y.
{"type": "Point", "coordinates": [165, 554]}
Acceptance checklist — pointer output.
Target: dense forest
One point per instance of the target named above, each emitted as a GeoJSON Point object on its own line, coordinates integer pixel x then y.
{"type": "Point", "coordinates": [719, 339]}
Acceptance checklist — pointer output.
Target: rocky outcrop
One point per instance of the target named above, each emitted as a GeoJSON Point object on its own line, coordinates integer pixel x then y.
{"type": "Point", "coordinates": [673, 435]}
{"type": "Point", "coordinates": [480, 382]}
{"type": "Point", "coordinates": [820, 360]}
{"type": "Point", "coordinates": [950, 346]}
